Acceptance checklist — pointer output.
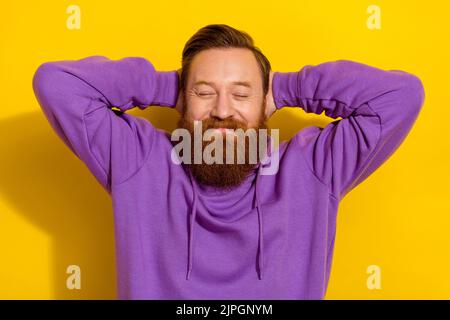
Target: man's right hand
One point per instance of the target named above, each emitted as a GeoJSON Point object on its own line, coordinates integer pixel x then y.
{"type": "Point", "coordinates": [270, 107]}
{"type": "Point", "coordinates": [179, 105]}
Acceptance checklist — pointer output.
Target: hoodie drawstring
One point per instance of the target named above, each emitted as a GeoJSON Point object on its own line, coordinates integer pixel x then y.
{"type": "Point", "coordinates": [260, 225]}
{"type": "Point", "coordinates": [191, 226]}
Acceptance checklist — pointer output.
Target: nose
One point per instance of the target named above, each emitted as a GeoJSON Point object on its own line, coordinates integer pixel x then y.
{"type": "Point", "coordinates": [223, 108]}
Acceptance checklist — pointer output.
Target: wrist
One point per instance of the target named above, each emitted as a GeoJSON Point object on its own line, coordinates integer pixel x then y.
{"type": "Point", "coordinates": [166, 88]}
{"type": "Point", "coordinates": [285, 89]}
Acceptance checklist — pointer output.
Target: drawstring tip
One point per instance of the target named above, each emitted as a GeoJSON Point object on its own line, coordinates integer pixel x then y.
{"type": "Point", "coordinates": [260, 275]}
{"type": "Point", "coordinates": [260, 271]}
{"type": "Point", "coordinates": [188, 274]}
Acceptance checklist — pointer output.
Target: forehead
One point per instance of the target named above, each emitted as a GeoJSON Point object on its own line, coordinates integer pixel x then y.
{"type": "Point", "coordinates": [225, 66]}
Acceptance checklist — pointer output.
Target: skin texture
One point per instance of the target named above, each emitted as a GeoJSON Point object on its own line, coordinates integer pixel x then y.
{"type": "Point", "coordinates": [221, 103]}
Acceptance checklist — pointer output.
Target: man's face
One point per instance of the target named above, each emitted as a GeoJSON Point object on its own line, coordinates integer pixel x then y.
{"type": "Point", "coordinates": [223, 90]}
{"type": "Point", "coordinates": [211, 91]}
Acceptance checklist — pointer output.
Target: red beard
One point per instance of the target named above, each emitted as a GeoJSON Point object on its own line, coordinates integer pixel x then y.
{"type": "Point", "coordinates": [224, 175]}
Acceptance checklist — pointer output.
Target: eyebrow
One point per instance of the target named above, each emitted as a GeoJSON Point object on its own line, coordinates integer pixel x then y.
{"type": "Point", "coordinates": [238, 83]}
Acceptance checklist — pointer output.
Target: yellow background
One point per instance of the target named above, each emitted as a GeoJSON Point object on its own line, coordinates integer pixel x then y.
{"type": "Point", "coordinates": [53, 213]}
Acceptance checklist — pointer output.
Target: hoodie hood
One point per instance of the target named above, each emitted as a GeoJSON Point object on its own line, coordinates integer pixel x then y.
{"type": "Point", "coordinates": [193, 214]}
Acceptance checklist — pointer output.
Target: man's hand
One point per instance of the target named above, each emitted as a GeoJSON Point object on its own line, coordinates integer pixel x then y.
{"type": "Point", "coordinates": [179, 105]}
{"type": "Point", "coordinates": [270, 103]}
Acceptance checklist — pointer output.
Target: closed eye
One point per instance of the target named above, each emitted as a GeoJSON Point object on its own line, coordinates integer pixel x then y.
{"type": "Point", "coordinates": [202, 94]}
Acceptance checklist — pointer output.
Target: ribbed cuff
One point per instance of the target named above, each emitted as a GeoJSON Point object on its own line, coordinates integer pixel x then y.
{"type": "Point", "coordinates": [285, 89]}
{"type": "Point", "coordinates": [166, 93]}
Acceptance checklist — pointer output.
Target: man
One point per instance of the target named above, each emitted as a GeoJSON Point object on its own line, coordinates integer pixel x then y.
{"type": "Point", "coordinates": [226, 231]}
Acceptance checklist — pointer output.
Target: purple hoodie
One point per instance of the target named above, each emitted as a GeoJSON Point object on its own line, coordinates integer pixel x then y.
{"type": "Point", "coordinates": [272, 237]}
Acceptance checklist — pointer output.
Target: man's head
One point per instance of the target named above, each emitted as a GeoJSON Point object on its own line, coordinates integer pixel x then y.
{"type": "Point", "coordinates": [223, 82]}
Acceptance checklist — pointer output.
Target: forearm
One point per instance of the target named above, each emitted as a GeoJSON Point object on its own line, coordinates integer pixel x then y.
{"type": "Point", "coordinates": [341, 87]}
{"type": "Point", "coordinates": [125, 83]}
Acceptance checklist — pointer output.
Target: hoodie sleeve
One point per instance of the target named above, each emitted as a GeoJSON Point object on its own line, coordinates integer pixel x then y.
{"type": "Point", "coordinates": [378, 108]}
{"type": "Point", "coordinates": [77, 97]}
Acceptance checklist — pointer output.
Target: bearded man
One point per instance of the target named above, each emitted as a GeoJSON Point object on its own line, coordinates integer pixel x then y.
{"type": "Point", "coordinates": [226, 230]}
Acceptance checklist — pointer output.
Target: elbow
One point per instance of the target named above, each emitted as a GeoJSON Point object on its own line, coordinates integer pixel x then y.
{"type": "Point", "coordinates": [413, 91]}
{"type": "Point", "coordinates": [44, 78]}
{"type": "Point", "coordinates": [47, 84]}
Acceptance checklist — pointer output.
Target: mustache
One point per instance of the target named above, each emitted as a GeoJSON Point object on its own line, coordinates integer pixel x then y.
{"type": "Point", "coordinates": [218, 123]}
